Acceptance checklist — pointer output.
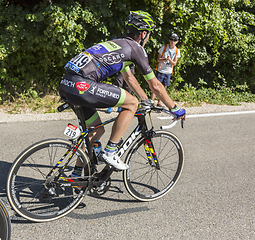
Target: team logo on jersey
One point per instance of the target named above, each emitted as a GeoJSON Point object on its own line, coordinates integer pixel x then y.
{"type": "Point", "coordinates": [149, 69]}
{"type": "Point", "coordinates": [104, 93]}
{"type": "Point", "coordinates": [97, 47]}
{"type": "Point", "coordinates": [111, 46]}
{"type": "Point", "coordinates": [92, 90]}
{"type": "Point", "coordinates": [67, 83]}
{"type": "Point", "coordinates": [82, 87]}
{"type": "Point", "coordinates": [112, 58]}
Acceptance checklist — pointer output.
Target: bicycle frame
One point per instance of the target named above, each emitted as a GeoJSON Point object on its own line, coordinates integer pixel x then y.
{"type": "Point", "coordinates": [143, 129]}
{"type": "Point", "coordinates": [140, 128]}
{"type": "Point", "coordinates": [41, 192]}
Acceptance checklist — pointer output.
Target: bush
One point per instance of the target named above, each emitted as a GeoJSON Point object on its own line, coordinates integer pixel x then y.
{"type": "Point", "coordinates": [217, 41]}
{"type": "Point", "coordinates": [39, 37]}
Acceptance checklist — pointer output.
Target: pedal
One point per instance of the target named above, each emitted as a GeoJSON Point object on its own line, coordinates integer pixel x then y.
{"type": "Point", "coordinates": [117, 170]}
{"type": "Point", "coordinates": [101, 189]}
{"type": "Point", "coordinates": [77, 190]}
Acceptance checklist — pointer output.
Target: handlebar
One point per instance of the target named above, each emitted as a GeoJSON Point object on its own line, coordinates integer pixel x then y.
{"type": "Point", "coordinates": [162, 109]}
{"type": "Point", "coordinates": [172, 116]}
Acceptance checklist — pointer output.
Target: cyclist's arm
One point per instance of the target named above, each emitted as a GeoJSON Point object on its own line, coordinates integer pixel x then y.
{"type": "Point", "coordinates": [133, 84]}
{"type": "Point", "coordinates": [159, 90]}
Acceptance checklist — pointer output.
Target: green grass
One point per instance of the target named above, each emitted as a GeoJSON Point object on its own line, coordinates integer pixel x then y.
{"type": "Point", "coordinates": [189, 96]}
{"type": "Point", "coordinates": [193, 96]}
{"type": "Point", "coordinates": [30, 104]}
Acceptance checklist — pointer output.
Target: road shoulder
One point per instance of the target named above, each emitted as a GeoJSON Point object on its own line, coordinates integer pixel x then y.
{"type": "Point", "coordinates": [204, 108]}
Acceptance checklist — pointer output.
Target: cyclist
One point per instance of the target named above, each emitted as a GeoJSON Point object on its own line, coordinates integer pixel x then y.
{"type": "Point", "coordinates": [82, 85]}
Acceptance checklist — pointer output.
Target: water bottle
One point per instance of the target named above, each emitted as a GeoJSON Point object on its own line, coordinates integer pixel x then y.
{"type": "Point", "coordinates": [97, 146]}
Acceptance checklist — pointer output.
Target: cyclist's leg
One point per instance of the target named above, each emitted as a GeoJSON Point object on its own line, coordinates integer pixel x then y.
{"type": "Point", "coordinates": [70, 89]}
{"type": "Point", "coordinates": [124, 118]}
{"type": "Point", "coordinates": [88, 93]}
{"type": "Point", "coordinates": [120, 126]}
{"type": "Point", "coordinates": [92, 119]}
{"type": "Point", "coordinates": [101, 95]}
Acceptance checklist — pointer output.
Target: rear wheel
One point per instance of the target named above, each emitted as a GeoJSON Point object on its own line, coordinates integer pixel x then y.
{"type": "Point", "coordinates": [5, 223]}
{"type": "Point", "coordinates": [147, 178]}
{"type": "Point", "coordinates": [36, 196]}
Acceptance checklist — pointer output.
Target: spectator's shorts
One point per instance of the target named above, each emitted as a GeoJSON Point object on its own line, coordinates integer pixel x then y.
{"type": "Point", "coordinates": [163, 78]}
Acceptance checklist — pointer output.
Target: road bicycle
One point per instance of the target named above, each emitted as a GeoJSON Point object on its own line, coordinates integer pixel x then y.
{"type": "Point", "coordinates": [40, 187]}
{"type": "Point", "coordinates": [5, 223]}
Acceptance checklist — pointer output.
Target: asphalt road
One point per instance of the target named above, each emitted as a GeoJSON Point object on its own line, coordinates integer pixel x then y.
{"type": "Point", "coordinates": [213, 199]}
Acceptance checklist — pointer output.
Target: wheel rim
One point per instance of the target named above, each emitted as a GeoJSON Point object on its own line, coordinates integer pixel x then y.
{"type": "Point", "coordinates": [143, 180]}
{"type": "Point", "coordinates": [5, 223]}
{"type": "Point", "coordinates": [29, 194]}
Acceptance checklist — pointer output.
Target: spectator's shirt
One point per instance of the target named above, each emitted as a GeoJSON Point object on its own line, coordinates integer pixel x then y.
{"type": "Point", "coordinates": [166, 67]}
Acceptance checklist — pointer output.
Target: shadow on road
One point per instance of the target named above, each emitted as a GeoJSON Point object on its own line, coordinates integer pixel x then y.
{"type": "Point", "coordinates": [4, 169]}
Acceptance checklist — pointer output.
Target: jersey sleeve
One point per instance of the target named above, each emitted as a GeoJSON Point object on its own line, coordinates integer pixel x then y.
{"type": "Point", "coordinates": [140, 58]}
{"type": "Point", "coordinates": [126, 66]}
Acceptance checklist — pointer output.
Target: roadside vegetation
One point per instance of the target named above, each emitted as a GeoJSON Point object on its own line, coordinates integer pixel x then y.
{"type": "Point", "coordinates": [38, 37]}
{"type": "Point", "coordinates": [221, 94]}
{"type": "Point", "coordinates": [189, 95]}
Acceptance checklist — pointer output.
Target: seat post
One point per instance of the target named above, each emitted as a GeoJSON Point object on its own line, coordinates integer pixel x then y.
{"type": "Point", "coordinates": [81, 119]}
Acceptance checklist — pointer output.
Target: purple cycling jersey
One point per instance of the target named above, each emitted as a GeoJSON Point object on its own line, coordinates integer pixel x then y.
{"type": "Point", "coordinates": [105, 59]}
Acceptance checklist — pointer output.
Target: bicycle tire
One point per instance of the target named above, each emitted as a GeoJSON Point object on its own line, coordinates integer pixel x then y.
{"type": "Point", "coordinates": [143, 180]}
{"type": "Point", "coordinates": [5, 223]}
{"type": "Point", "coordinates": [26, 188]}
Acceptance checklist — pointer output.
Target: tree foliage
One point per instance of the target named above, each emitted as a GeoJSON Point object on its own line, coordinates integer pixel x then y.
{"type": "Point", "coordinates": [39, 37]}
{"type": "Point", "coordinates": [217, 39]}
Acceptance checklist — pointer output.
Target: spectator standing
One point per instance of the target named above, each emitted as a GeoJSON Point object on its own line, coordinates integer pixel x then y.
{"type": "Point", "coordinates": [167, 59]}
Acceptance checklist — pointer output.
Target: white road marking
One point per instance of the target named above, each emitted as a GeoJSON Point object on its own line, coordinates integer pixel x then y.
{"type": "Point", "coordinates": [212, 114]}
{"type": "Point", "coordinates": [219, 114]}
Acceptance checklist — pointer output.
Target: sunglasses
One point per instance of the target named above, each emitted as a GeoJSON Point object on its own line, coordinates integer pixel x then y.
{"type": "Point", "coordinates": [173, 39]}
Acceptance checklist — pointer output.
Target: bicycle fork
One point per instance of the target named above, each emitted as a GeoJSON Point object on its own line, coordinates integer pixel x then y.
{"type": "Point", "coordinates": [151, 154]}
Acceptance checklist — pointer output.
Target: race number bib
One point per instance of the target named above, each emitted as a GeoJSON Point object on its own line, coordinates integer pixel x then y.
{"type": "Point", "coordinates": [79, 61]}
{"type": "Point", "coordinates": [72, 131]}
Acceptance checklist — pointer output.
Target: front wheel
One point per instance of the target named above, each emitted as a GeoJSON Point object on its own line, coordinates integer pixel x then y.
{"type": "Point", "coordinates": [153, 170]}
{"type": "Point", "coordinates": [33, 187]}
{"type": "Point", "coordinates": [5, 223]}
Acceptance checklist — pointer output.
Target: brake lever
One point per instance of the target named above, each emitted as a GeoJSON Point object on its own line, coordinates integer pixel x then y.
{"type": "Point", "coordinates": [157, 108]}
{"type": "Point", "coordinates": [182, 122]}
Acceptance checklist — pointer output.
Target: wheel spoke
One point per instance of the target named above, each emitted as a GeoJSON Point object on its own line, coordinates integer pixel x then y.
{"type": "Point", "coordinates": [146, 182]}
{"type": "Point", "coordinates": [37, 197]}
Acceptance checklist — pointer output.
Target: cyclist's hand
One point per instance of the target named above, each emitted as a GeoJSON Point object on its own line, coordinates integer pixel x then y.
{"type": "Point", "coordinates": [147, 103]}
{"type": "Point", "coordinates": [178, 112]}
